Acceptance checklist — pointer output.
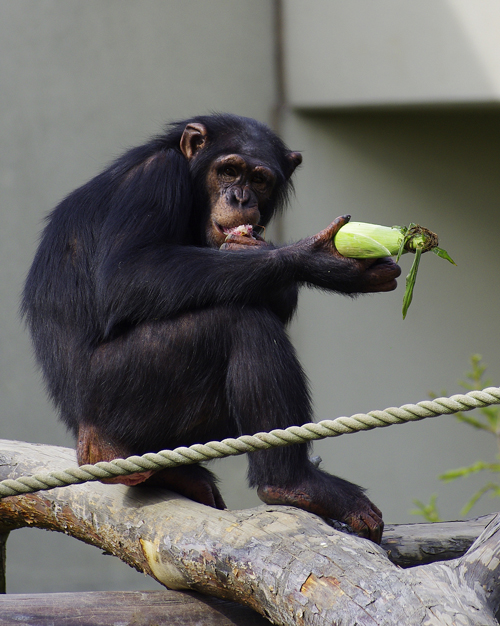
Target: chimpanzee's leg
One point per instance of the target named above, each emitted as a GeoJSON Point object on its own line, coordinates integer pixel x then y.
{"type": "Point", "coordinates": [156, 386]}
{"type": "Point", "coordinates": [267, 389]}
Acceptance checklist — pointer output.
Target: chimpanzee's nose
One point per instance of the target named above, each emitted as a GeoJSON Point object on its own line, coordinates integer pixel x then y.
{"type": "Point", "coordinates": [242, 194]}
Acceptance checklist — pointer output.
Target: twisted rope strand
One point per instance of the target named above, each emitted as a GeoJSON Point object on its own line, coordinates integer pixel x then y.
{"type": "Point", "coordinates": [250, 443]}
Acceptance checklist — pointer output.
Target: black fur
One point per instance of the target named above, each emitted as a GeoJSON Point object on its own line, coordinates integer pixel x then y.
{"type": "Point", "coordinates": [143, 330]}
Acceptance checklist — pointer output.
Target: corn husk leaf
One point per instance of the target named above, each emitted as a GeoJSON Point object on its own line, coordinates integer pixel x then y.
{"type": "Point", "coordinates": [360, 246]}
{"type": "Point", "coordinates": [443, 255]}
{"type": "Point", "coordinates": [410, 282]}
{"type": "Point", "coordinates": [360, 240]}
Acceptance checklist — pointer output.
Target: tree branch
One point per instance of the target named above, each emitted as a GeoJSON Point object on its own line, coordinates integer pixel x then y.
{"type": "Point", "coordinates": [282, 562]}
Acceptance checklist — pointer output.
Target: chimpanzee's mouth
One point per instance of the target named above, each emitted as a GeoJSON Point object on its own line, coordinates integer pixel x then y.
{"type": "Point", "coordinates": [243, 230]}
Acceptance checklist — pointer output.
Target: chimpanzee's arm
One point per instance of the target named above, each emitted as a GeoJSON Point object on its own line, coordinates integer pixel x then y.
{"type": "Point", "coordinates": [160, 281]}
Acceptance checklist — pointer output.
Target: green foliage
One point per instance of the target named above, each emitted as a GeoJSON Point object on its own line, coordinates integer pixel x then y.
{"type": "Point", "coordinates": [428, 511]}
{"type": "Point", "coordinates": [486, 418]}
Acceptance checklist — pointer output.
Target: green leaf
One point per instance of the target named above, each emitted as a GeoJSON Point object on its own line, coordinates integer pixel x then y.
{"type": "Point", "coordinates": [479, 466]}
{"type": "Point", "coordinates": [479, 494]}
{"type": "Point", "coordinates": [475, 423]}
{"type": "Point", "coordinates": [410, 282]}
{"type": "Point", "coordinates": [443, 254]}
{"type": "Point", "coordinates": [428, 511]}
{"type": "Point", "coordinates": [403, 230]}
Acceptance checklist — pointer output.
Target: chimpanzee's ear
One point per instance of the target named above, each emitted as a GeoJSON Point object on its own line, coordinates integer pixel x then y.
{"type": "Point", "coordinates": [193, 139]}
{"type": "Point", "coordinates": [294, 160]}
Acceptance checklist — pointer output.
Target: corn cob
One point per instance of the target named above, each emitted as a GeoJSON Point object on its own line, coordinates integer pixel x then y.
{"type": "Point", "coordinates": [359, 240]}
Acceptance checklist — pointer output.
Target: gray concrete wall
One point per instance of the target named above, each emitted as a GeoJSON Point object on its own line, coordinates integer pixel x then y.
{"type": "Point", "coordinates": [81, 80]}
{"type": "Point", "coordinates": [345, 61]}
{"type": "Point", "coordinates": [365, 53]}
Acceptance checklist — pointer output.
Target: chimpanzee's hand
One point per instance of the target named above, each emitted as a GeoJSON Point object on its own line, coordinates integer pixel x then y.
{"type": "Point", "coordinates": [346, 274]}
{"type": "Point", "coordinates": [243, 242]}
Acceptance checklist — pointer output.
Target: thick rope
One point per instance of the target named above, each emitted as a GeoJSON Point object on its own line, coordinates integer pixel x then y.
{"type": "Point", "coordinates": [251, 443]}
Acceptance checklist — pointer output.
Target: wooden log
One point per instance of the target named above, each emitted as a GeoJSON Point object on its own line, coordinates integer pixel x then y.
{"type": "Point", "coordinates": [408, 545]}
{"type": "Point", "coordinates": [3, 561]}
{"type": "Point", "coordinates": [126, 608]}
{"type": "Point", "coordinates": [288, 565]}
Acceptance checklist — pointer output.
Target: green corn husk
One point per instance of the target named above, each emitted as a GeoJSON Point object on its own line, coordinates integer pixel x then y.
{"type": "Point", "coordinates": [359, 240]}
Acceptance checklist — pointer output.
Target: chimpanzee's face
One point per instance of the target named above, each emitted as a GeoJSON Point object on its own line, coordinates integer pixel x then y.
{"type": "Point", "coordinates": [241, 182]}
{"type": "Point", "coordinates": [239, 189]}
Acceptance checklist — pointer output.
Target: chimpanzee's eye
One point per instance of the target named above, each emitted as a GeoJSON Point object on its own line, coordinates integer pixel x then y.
{"type": "Point", "coordinates": [262, 179]}
{"type": "Point", "coordinates": [229, 171]}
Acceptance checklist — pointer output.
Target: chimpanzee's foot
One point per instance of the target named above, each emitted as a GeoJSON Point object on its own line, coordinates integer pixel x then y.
{"type": "Point", "coordinates": [193, 481]}
{"type": "Point", "coordinates": [94, 446]}
{"type": "Point", "coordinates": [332, 497]}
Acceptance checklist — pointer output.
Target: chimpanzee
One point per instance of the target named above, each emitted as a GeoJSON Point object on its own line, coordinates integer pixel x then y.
{"type": "Point", "coordinates": [158, 311]}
